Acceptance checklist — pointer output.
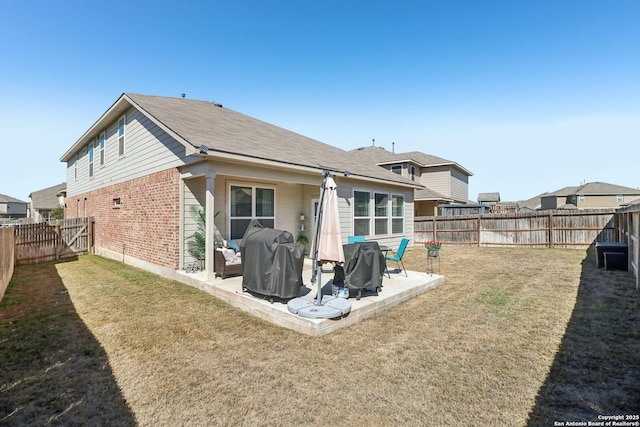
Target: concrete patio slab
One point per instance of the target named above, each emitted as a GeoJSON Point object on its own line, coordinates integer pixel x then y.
{"type": "Point", "coordinates": [396, 289]}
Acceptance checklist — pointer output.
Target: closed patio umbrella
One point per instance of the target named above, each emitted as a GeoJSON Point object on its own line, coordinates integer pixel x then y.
{"type": "Point", "coordinates": [330, 238]}
{"type": "Point", "coordinates": [325, 247]}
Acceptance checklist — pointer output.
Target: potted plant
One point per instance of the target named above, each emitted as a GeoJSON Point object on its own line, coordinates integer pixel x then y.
{"type": "Point", "coordinates": [433, 247]}
{"type": "Point", "coordinates": [196, 244]}
{"type": "Point", "coordinates": [302, 239]}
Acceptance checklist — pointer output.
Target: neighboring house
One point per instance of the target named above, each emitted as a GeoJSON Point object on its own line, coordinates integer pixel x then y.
{"type": "Point", "coordinates": [11, 208]}
{"type": "Point", "coordinates": [445, 181]}
{"type": "Point", "coordinates": [488, 198]}
{"type": "Point", "coordinates": [593, 195]}
{"type": "Point", "coordinates": [497, 206]}
{"type": "Point", "coordinates": [456, 209]}
{"type": "Point", "coordinates": [44, 201]}
{"type": "Point", "coordinates": [557, 199]}
{"type": "Point", "coordinates": [149, 161]}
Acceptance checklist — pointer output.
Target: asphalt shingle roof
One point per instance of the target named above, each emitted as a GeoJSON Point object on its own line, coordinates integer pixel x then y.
{"type": "Point", "coordinates": [379, 155]}
{"type": "Point", "coordinates": [227, 131]}
{"type": "Point", "coordinates": [47, 198]}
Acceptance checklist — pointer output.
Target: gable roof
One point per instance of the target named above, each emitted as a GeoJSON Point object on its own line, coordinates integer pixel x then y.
{"type": "Point", "coordinates": [603, 188]}
{"type": "Point", "coordinates": [488, 197]}
{"type": "Point", "coordinates": [9, 199]}
{"type": "Point", "coordinates": [47, 198]}
{"type": "Point", "coordinates": [380, 156]}
{"type": "Point", "coordinates": [233, 135]}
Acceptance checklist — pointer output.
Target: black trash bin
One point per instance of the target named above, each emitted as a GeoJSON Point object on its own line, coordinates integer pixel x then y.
{"type": "Point", "coordinates": [612, 255]}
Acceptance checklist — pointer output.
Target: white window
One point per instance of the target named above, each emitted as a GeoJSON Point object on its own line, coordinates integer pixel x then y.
{"type": "Point", "coordinates": [121, 135]}
{"type": "Point", "coordinates": [381, 223]}
{"type": "Point", "coordinates": [91, 144]}
{"type": "Point", "coordinates": [581, 198]}
{"type": "Point", "coordinates": [248, 203]}
{"type": "Point", "coordinates": [397, 214]}
{"type": "Point", "coordinates": [619, 198]}
{"type": "Point", "coordinates": [361, 213]}
{"type": "Point", "coordinates": [101, 147]}
{"type": "Point", "coordinates": [412, 173]}
{"type": "Point", "coordinates": [75, 167]}
{"type": "Point", "coordinates": [387, 216]}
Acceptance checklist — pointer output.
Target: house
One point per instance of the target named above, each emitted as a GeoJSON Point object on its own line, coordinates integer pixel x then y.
{"type": "Point", "coordinates": [11, 208]}
{"type": "Point", "coordinates": [45, 201]}
{"type": "Point", "coordinates": [597, 195]}
{"type": "Point", "coordinates": [149, 163]}
{"type": "Point", "coordinates": [456, 209]}
{"type": "Point", "coordinates": [592, 195]}
{"type": "Point", "coordinates": [445, 181]}
{"type": "Point", "coordinates": [488, 198]}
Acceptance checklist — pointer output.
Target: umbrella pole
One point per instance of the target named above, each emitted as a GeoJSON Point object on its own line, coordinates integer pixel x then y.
{"type": "Point", "coordinates": [317, 269]}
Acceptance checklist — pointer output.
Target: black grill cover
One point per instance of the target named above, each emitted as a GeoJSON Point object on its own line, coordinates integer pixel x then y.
{"type": "Point", "coordinates": [364, 265]}
{"type": "Point", "coordinates": [271, 262]}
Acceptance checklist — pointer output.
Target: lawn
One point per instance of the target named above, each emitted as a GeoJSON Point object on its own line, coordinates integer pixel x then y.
{"type": "Point", "coordinates": [514, 337]}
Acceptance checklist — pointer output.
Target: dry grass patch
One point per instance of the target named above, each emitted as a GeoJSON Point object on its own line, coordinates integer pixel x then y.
{"type": "Point", "coordinates": [494, 346]}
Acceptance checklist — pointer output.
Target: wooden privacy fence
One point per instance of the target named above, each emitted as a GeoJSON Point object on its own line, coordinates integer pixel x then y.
{"type": "Point", "coordinates": [7, 258]}
{"type": "Point", "coordinates": [50, 241]}
{"type": "Point", "coordinates": [560, 229]}
{"type": "Point", "coordinates": [628, 221]}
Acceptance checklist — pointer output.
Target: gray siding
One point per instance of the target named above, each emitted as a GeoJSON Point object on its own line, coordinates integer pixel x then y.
{"type": "Point", "coordinates": [437, 179]}
{"type": "Point", "coordinates": [148, 150]}
{"type": "Point", "coordinates": [459, 185]}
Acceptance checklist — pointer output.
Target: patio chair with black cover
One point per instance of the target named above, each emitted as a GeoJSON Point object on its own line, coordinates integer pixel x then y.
{"type": "Point", "coordinates": [364, 266]}
{"type": "Point", "coordinates": [397, 256]}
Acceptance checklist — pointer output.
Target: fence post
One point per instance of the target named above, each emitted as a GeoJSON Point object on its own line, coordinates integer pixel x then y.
{"type": "Point", "coordinates": [479, 233]}
{"type": "Point", "coordinates": [552, 242]}
{"type": "Point", "coordinates": [433, 226]}
{"type": "Point", "coordinates": [59, 242]}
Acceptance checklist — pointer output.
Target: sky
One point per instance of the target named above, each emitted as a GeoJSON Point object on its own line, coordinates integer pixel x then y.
{"type": "Point", "coordinates": [529, 96]}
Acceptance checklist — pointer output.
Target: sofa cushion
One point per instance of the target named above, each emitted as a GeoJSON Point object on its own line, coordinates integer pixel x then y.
{"type": "Point", "coordinates": [230, 256]}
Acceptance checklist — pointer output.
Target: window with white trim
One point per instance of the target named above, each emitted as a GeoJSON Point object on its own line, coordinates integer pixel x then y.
{"type": "Point", "coordinates": [91, 145]}
{"type": "Point", "coordinates": [619, 198]}
{"type": "Point", "coordinates": [412, 173]}
{"type": "Point", "coordinates": [361, 213]}
{"type": "Point", "coordinates": [397, 169]}
{"type": "Point", "coordinates": [381, 222]}
{"type": "Point", "coordinates": [397, 214]}
{"type": "Point", "coordinates": [247, 203]}
{"type": "Point", "coordinates": [121, 135]}
{"type": "Point", "coordinates": [581, 198]}
{"type": "Point", "coordinates": [101, 147]}
{"type": "Point", "coordinates": [75, 167]}
{"type": "Point", "coordinates": [387, 216]}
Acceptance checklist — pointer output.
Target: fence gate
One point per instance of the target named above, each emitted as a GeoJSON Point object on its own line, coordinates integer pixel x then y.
{"type": "Point", "coordinates": [54, 240]}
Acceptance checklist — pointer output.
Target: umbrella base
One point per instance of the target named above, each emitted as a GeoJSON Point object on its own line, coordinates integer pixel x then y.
{"type": "Point", "coordinates": [329, 308]}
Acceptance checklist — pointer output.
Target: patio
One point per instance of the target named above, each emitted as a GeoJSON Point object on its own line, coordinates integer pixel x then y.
{"type": "Point", "coordinates": [396, 289]}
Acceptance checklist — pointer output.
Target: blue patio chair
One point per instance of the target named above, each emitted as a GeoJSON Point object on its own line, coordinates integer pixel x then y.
{"type": "Point", "coordinates": [355, 239]}
{"type": "Point", "coordinates": [397, 256]}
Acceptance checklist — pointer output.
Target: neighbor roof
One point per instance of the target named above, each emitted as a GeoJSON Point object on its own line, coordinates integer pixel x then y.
{"type": "Point", "coordinates": [488, 197]}
{"type": "Point", "coordinates": [47, 198]}
{"type": "Point", "coordinates": [9, 199]}
{"type": "Point", "coordinates": [380, 156]}
{"type": "Point", "coordinates": [229, 133]}
{"type": "Point", "coordinates": [603, 188]}
{"type": "Point", "coordinates": [428, 194]}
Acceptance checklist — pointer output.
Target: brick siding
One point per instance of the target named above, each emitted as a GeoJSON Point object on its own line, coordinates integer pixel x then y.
{"type": "Point", "coordinates": [146, 224]}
